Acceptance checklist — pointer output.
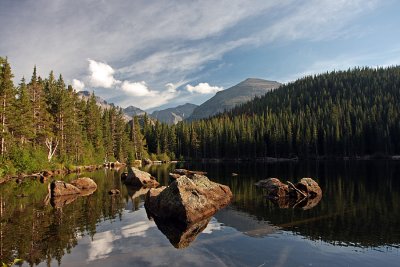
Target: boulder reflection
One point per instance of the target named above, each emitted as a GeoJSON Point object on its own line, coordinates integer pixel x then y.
{"type": "Point", "coordinates": [181, 236]}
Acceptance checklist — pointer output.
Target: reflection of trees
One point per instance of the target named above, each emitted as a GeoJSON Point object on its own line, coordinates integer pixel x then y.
{"type": "Point", "coordinates": [160, 172]}
{"type": "Point", "coordinates": [35, 232]}
{"type": "Point", "coordinates": [360, 203]}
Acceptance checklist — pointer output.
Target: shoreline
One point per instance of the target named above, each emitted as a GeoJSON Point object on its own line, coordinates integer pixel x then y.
{"type": "Point", "coordinates": [44, 175]}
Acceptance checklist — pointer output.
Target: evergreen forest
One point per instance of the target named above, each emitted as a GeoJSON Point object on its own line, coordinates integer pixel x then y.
{"type": "Point", "coordinates": [45, 124]}
{"type": "Point", "coordinates": [350, 113]}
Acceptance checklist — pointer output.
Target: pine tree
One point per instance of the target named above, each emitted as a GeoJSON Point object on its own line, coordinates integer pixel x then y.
{"type": "Point", "coordinates": [7, 104]}
{"type": "Point", "coordinates": [23, 129]}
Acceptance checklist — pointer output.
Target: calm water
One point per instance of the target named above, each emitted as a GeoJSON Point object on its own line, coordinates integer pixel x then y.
{"type": "Point", "coordinates": [355, 224]}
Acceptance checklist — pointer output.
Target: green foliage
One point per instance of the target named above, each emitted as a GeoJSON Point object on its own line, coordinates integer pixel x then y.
{"type": "Point", "coordinates": [49, 124]}
{"type": "Point", "coordinates": [29, 160]}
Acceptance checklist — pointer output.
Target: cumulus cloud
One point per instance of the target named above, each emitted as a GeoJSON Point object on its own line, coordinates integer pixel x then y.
{"type": "Point", "coordinates": [101, 74]}
{"type": "Point", "coordinates": [203, 88]}
{"type": "Point", "coordinates": [78, 85]}
{"type": "Point", "coordinates": [137, 88]}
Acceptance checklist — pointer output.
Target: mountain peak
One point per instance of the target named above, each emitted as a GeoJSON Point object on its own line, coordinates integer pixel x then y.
{"type": "Point", "coordinates": [233, 96]}
{"type": "Point", "coordinates": [174, 115]}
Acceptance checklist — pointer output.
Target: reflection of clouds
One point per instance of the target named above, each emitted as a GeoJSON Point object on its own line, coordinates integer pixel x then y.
{"type": "Point", "coordinates": [102, 245]}
{"type": "Point", "coordinates": [212, 226]}
{"type": "Point", "coordinates": [136, 229]}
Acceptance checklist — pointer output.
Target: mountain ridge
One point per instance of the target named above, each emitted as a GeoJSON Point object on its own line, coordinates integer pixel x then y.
{"type": "Point", "coordinates": [229, 98]}
{"type": "Point", "coordinates": [175, 114]}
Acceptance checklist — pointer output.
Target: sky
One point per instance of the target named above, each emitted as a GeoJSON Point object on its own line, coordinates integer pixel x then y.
{"type": "Point", "coordinates": [158, 54]}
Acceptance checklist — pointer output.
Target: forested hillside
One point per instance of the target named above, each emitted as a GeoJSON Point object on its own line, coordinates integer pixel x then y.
{"type": "Point", "coordinates": [350, 113]}
{"type": "Point", "coordinates": [45, 123]}
{"type": "Point", "coordinates": [343, 113]}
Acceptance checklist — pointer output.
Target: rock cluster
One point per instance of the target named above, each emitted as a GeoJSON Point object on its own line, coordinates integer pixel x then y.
{"type": "Point", "coordinates": [62, 193]}
{"type": "Point", "coordinates": [305, 194]}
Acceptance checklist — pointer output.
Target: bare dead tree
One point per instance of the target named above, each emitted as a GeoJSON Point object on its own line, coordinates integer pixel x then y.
{"type": "Point", "coordinates": [52, 146]}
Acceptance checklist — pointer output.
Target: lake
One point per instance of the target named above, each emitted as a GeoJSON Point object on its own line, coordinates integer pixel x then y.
{"type": "Point", "coordinates": [356, 223]}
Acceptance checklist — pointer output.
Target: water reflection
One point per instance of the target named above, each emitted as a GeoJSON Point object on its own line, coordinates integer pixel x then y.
{"type": "Point", "coordinates": [360, 205]}
{"type": "Point", "coordinates": [37, 232]}
{"type": "Point", "coordinates": [359, 208]}
{"type": "Point", "coordinates": [178, 236]}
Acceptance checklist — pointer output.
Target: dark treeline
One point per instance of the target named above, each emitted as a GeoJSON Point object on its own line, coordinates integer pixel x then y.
{"type": "Point", "coordinates": [345, 113]}
{"type": "Point", "coordinates": [45, 124]}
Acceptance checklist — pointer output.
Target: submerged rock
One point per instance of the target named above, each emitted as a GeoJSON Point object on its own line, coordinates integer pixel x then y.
{"type": "Point", "coordinates": [187, 200]}
{"type": "Point", "coordinates": [140, 178]}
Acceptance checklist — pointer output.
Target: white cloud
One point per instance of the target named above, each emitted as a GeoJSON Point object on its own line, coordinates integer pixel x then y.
{"type": "Point", "coordinates": [152, 99]}
{"type": "Point", "coordinates": [78, 85]}
{"type": "Point", "coordinates": [137, 88]}
{"type": "Point", "coordinates": [203, 88]}
{"type": "Point", "coordinates": [171, 87]}
{"type": "Point", "coordinates": [101, 74]}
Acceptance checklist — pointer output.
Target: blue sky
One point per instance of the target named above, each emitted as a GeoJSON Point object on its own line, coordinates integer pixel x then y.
{"type": "Point", "coordinates": [154, 54]}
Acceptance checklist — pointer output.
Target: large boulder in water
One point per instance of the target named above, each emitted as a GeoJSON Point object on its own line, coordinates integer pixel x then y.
{"type": "Point", "coordinates": [60, 188]}
{"type": "Point", "coordinates": [140, 178]}
{"type": "Point", "coordinates": [187, 200]}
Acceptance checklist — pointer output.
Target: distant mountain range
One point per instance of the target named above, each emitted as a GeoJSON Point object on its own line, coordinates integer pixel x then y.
{"type": "Point", "coordinates": [128, 112]}
{"type": "Point", "coordinates": [174, 115]}
{"type": "Point", "coordinates": [233, 96]}
{"type": "Point", "coordinates": [223, 100]}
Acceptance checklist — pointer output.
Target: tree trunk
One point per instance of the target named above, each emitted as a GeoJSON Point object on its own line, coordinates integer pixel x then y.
{"type": "Point", "coordinates": [3, 123]}
{"type": "Point", "coordinates": [52, 149]}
